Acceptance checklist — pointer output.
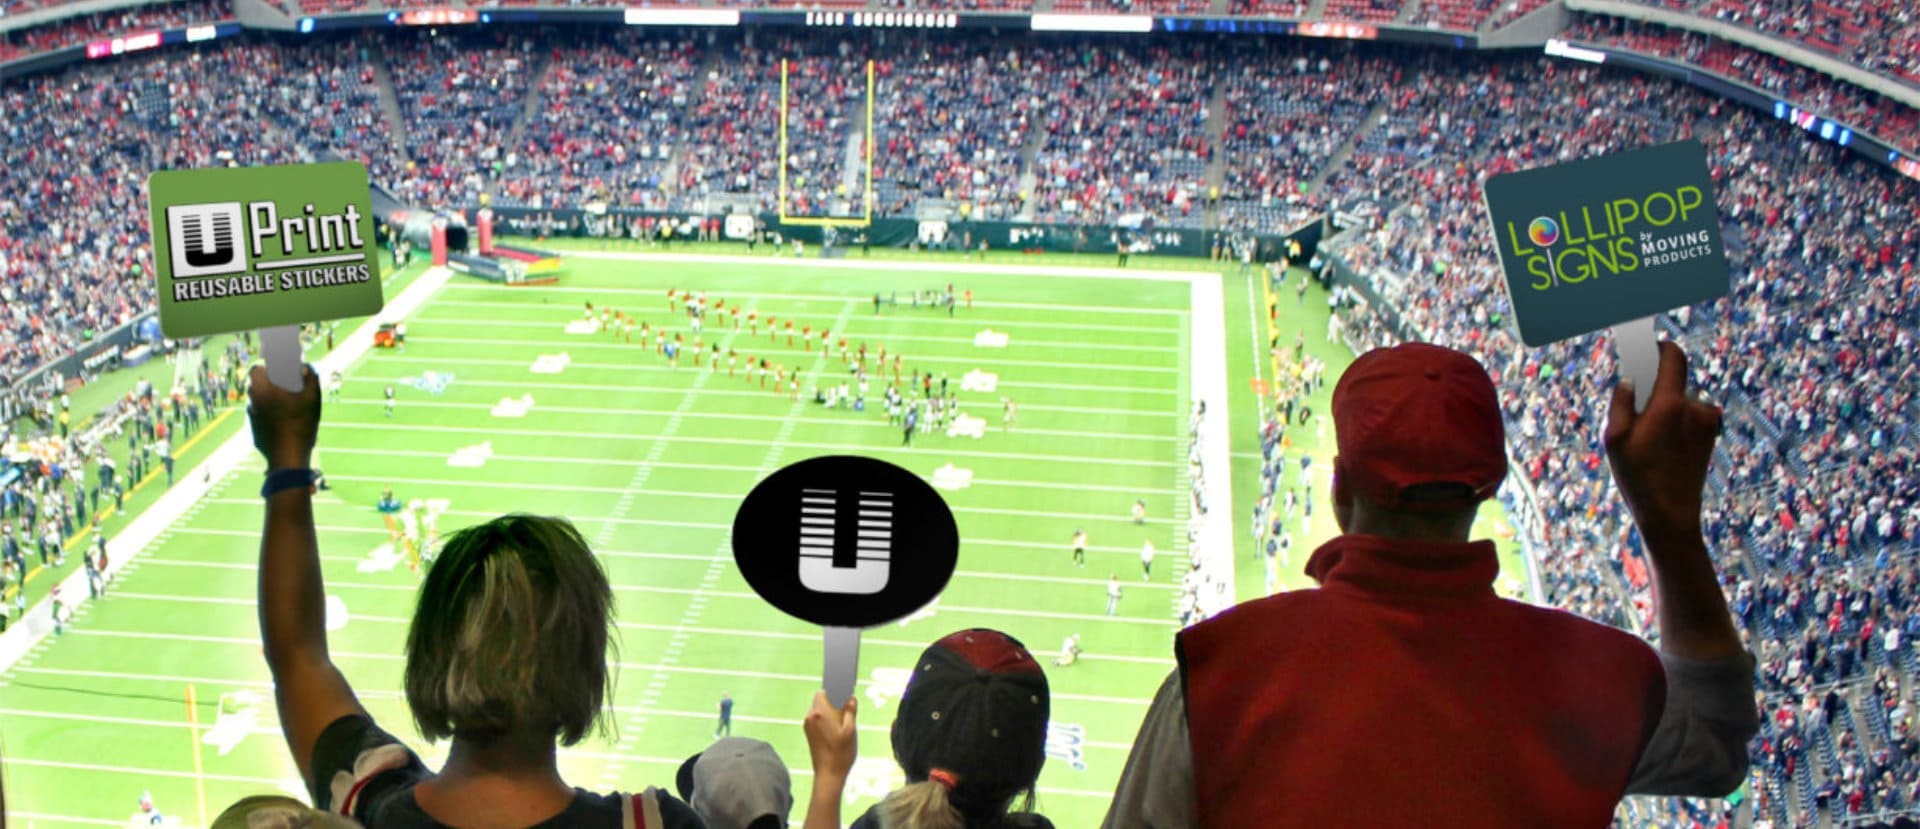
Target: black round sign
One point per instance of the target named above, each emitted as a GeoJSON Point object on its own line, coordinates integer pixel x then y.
{"type": "Point", "coordinates": [843, 541]}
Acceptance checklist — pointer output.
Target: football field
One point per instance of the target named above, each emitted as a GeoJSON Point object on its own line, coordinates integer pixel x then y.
{"type": "Point", "coordinates": [507, 401]}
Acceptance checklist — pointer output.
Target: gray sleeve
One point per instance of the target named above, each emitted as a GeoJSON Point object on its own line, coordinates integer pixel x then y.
{"type": "Point", "coordinates": [1156, 788]}
{"type": "Point", "coordinates": [1700, 747]}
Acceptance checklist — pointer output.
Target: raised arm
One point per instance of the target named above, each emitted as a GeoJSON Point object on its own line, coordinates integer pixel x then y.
{"type": "Point", "coordinates": [833, 742]}
{"type": "Point", "coordinates": [1660, 458]}
{"type": "Point", "coordinates": [310, 691]}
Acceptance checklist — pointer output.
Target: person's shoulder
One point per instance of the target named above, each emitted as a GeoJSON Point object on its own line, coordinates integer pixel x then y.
{"type": "Point", "coordinates": [357, 766]}
{"type": "Point", "coordinates": [652, 808]}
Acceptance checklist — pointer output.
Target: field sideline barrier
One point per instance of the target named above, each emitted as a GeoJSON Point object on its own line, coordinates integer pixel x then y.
{"type": "Point", "coordinates": [33, 626]}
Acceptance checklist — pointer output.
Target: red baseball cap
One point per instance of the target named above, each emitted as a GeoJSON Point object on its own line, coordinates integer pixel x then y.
{"type": "Point", "coordinates": [1413, 414]}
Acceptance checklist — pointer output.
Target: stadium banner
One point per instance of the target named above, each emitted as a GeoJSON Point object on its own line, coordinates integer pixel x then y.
{"type": "Point", "coordinates": [902, 232]}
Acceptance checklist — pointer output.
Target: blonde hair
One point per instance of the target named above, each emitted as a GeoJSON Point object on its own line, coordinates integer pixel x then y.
{"type": "Point", "coordinates": [922, 805]}
{"type": "Point", "coordinates": [512, 632]}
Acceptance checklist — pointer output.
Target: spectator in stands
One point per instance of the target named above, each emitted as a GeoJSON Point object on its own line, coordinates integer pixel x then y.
{"type": "Point", "coordinates": [507, 655]}
{"type": "Point", "coordinates": [1404, 688]}
{"type": "Point", "coordinates": [971, 736]}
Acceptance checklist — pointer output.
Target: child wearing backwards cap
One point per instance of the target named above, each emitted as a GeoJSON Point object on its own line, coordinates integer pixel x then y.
{"type": "Point", "coordinates": [971, 736]}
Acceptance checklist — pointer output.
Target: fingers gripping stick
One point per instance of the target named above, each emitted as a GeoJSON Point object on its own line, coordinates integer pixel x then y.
{"type": "Point", "coordinates": [1638, 352]}
{"type": "Point", "coordinates": [280, 347]}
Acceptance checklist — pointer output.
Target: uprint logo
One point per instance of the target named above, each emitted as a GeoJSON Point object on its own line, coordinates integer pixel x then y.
{"type": "Point", "coordinates": [205, 239]}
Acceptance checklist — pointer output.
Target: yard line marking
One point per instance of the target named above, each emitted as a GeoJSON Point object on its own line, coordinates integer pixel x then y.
{"type": "Point", "coordinates": [33, 816]}
{"type": "Point", "coordinates": [16, 760]}
{"type": "Point", "coordinates": [704, 467]}
{"type": "Point", "coordinates": [537, 384]}
{"type": "Point", "coordinates": [496, 431]}
{"type": "Point", "coordinates": [971, 543]}
{"type": "Point", "coordinates": [724, 594]}
{"type": "Point", "coordinates": [647, 353]}
{"type": "Point", "coordinates": [671, 493]}
{"type": "Point", "coordinates": [870, 422]}
{"type": "Point", "coordinates": [1042, 345]}
{"type": "Point", "coordinates": [891, 265]}
{"type": "Point", "coordinates": [649, 368]}
{"type": "Point", "coordinates": [998, 323]}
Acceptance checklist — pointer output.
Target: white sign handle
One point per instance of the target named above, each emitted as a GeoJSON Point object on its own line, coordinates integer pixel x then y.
{"type": "Point", "coordinates": [280, 347]}
{"type": "Point", "coordinates": [1638, 352]}
{"type": "Point", "coordinates": [842, 663]}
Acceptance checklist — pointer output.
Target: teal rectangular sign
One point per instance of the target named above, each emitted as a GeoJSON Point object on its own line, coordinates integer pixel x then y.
{"type": "Point", "coordinates": [1600, 241]}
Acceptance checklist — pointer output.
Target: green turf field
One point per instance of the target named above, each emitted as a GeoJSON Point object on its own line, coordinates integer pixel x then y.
{"type": "Point", "coordinates": [650, 461]}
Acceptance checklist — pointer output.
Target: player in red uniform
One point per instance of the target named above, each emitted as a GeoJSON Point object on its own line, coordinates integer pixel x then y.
{"type": "Point", "coordinates": [806, 336]}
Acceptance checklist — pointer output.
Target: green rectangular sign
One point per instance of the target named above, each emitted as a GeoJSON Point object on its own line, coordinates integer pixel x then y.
{"type": "Point", "coordinates": [258, 247]}
{"type": "Point", "coordinates": [1600, 241]}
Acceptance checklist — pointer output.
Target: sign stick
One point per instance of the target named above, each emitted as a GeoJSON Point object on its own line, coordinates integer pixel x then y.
{"type": "Point", "coordinates": [1638, 352]}
{"type": "Point", "coordinates": [842, 666]}
{"type": "Point", "coordinates": [280, 347]}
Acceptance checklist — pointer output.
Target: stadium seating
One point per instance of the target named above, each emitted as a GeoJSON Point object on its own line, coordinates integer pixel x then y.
{"type": "Point", "coordinates": [1812, 516]}
{"type": "Point", "coordinates": [1269, 8]}
{"type": "Point", "coordinates": [953, 120]}
{"type": "Point", "coordinates": [1121, 116]}
{"type": "Point", "coordinates": [1364, 11]}
{"type": "Point", "coordinates": [1886, 119]}
{"type": "Point", "coordinates": [76, 31]}
{"type": "Point", "coordinates": [612, 112]}
{"type": "Point", "coordinates": [459, 95]}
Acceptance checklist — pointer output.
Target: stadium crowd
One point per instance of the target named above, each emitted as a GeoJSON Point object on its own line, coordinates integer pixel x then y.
{"type": "Point", "coordinates": [1124, 134]}
{"type": "Point", "coordinates": [1281, 130]}
{"type": "Point", "coordinates": [953, 119]}
{"type": "Point", "coordinates": [611, 115]}
{"type": "Point", "coordinates": [460, 96]}
{"type": "Point", "coordinates": [1886, 119]}
{"type": "Point", "coordinates": [1817, 508]}
{"type": "Point", "coordinates": [75, 31]}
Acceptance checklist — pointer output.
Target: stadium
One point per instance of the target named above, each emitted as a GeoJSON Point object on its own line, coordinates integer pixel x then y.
{"type": "Point", "coordinates": [1117, 253]}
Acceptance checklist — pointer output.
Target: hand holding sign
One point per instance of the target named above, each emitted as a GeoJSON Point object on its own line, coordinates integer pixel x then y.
{"type": "Point", "coordinates": [845, 543]}
{"type": "Point", "coordinates": [1660, 455]}
{"type": "Point", "coordinates": [263, 247]}
{"type": "Point", "coordinates": [1610, 241]}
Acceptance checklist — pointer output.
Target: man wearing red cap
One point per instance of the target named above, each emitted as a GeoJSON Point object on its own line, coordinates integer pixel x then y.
{"type": "Point", "coordinates": [1403, 692]}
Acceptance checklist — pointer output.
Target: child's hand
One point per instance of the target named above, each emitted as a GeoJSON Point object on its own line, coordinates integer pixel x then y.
{"type": "Point", "coordinates": [831, 736]}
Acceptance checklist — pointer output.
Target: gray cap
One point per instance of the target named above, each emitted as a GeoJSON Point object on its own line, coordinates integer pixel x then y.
{"type": "Point", "coordinates": [735, 782]}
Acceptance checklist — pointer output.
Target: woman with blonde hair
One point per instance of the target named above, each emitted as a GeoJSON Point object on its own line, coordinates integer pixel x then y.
{"type": "Point", "coordinates": [971, 736]}
{"type": "Point", "coordinates": [506, 656]}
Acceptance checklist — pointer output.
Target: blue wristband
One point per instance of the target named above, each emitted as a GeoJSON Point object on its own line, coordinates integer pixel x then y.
{"type": "Point", "coordinates": [280, 480]}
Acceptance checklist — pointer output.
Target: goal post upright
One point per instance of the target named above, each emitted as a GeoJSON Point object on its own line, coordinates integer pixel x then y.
{"type": "Point", "coordinates": [865, 219]}
{"type": "Point", "coordinates": [868, 195]}
{"type": "Point", "coordinates": [783, 140]}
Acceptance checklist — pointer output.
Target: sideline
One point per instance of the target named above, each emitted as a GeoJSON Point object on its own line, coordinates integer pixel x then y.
{"type": "Point", "coordinates": [1209, 385]}
{"type": "Point", "coordinates": [24, 634]}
